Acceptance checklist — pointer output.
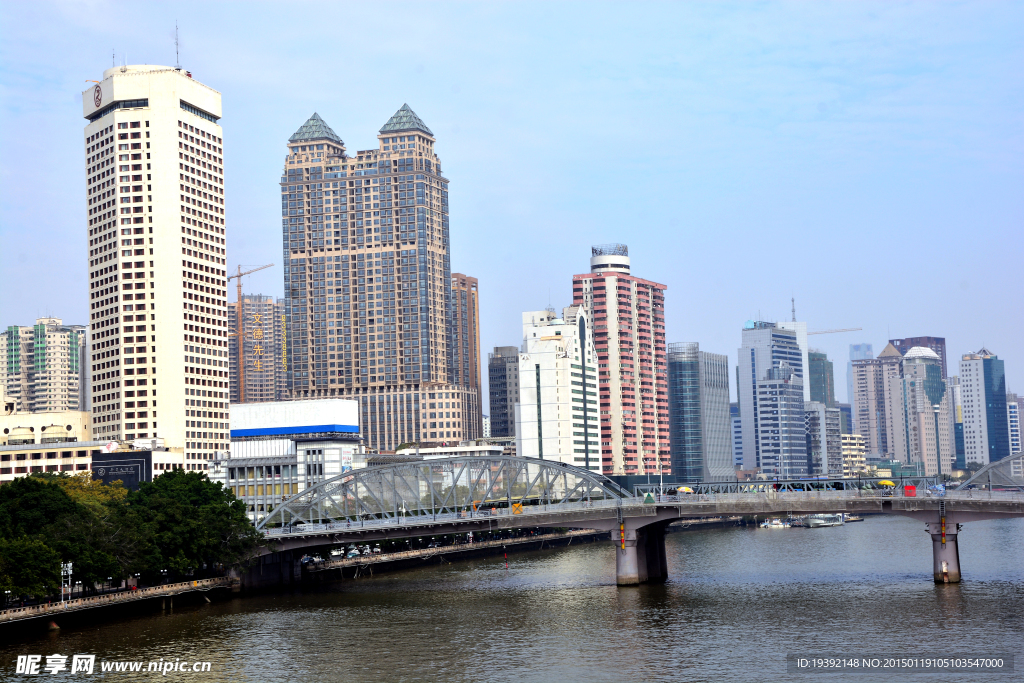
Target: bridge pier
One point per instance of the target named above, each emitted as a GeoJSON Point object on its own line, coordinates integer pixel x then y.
{"type": "Point", "coordinates": [642, 560]}
{"type": "Point", "coordinates": [945, 551]}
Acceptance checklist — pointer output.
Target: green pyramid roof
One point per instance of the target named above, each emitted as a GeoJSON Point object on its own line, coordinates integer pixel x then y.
{"type": "Point", "coordinates": [405, 119]}
{"type": "Point", "coordinates": [315, 129]}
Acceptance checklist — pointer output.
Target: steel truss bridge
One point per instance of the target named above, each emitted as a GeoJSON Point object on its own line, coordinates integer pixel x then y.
{"type": "Point", "coordinates": [492, 493]}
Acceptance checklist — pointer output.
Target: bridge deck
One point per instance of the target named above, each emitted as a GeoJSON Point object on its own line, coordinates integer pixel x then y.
{"type": "Point", "coordinates": [603, 514]}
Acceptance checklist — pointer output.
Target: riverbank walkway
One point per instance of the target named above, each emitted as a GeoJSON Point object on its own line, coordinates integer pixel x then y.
{"type": "Point", "coordinates": [55, 609]}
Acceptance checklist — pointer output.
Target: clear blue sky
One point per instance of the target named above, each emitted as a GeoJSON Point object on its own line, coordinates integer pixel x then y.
{"type": "Point", "coordinates": [865, 158]}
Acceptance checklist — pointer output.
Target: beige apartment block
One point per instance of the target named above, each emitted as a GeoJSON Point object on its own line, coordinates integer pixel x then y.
{"type": "Point", "coordinates": [854, 458]}
{"type": "Point", "coordinates": [628, 315]}
{"type": "Point", "coordinates": [368, 281]}
{"type": "Point", "coordinates": [154, 170]}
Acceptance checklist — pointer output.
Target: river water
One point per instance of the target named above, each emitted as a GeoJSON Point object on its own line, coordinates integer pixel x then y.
{"type": "Point", "coordinates": [738, 601]}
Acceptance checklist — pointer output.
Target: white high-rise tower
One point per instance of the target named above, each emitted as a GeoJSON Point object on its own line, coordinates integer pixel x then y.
{"type": "Point", "coordinates": [157, 264]}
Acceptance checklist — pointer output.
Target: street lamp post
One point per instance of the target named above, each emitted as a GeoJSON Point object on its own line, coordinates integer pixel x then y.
{"type": "Point", "coordinates": [65, 579]}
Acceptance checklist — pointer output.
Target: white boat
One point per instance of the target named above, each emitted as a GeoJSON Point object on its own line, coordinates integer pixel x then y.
{"type": "Point", "coordinates": [815, 521]}
{"type": "Point", "coordinates": [774, 524]}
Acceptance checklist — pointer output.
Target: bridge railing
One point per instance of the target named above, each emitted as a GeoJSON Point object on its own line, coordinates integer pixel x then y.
{"type": "Point", "coordinates": [525, 512]}
{"type": "Point", "coordinates": [18, 613]}
{"type": "Point", "coordinates": [430, 519]}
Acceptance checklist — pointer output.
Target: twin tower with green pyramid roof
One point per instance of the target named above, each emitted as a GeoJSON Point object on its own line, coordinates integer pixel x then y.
{"type": "Point", "coordinates": [368, 282]}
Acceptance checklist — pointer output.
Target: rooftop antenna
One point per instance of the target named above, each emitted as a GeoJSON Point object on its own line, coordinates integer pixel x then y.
{"type": "Point", "coordinates": [177, 56]}
{"type": "Point", "coordinates": [113, 58]}
{"type": "Point", "coordinates": [793, 301]}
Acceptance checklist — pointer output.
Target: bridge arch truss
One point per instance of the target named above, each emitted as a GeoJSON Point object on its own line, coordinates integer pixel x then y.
{"type": "Point", "coordinates": [447, 487]}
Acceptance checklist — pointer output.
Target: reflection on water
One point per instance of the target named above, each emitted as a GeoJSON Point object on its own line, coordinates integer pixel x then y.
{"type": "Point", "coordinates": [737, 602]}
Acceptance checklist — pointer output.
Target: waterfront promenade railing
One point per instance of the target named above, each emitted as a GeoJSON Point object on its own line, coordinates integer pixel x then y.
{"type": "Point", "coordinates": [57, 608]}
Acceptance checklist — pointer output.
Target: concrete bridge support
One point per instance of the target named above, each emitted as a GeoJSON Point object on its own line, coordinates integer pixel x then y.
{"type": "Point", "coordinates": [642, 560]}
{"type": "Point", "coordinates": [945, 552]}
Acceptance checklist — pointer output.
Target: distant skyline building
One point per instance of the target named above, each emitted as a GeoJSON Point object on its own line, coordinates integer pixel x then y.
{"type": "Point", "coordinates": [983, 392]}
{"type": "Point", "coordinates": [767, 346]}
{"type": "Point", "coordinates": [957, 406]}
{"type": "Point", "coordinates": [157, 254]}
{"type": "Point", "coordinates": [822, 378]}
{"type": "Point", "coordinates": [870, 406]}
{"type": "Point", "coordinates": [920, 414]}
{"type": "Point", "coordinates": [628, 315]}
{"type": "Point", "coordinates": [464, 347]}
{"type": "Point", "coordinates": [503, 389]}
{"type": "Point", "coordinates": [936, 344]}
{"type": "Point", "coordinates": [824, 440]}
{"type": "Point", "coordinates": [857, 352]}
{"type": "Point", "coordinates": [800, 328]}
{"type": "Point", "coordinates": [368, 282]}
{"type": "Point", "coordinates": [845, 417]}
{"type": "Point", "coordinates": [781, 434]}
{"type": "Point", "coordinates": [263, 347]}
{"type": "Point", "coordinates": [700, 424]}
{"type": "Point", "coordinates": [46, 366]}
{"type": "Point", "coordinates": [557, 416]}
{"type": "Point", "coordinates": [737, 435]}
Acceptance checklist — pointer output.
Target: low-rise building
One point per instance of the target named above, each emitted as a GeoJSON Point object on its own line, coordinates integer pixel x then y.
{"type": "Point", "coordinates": [280, 448]}
{"type": "Point", "coordinates": [72, 457]}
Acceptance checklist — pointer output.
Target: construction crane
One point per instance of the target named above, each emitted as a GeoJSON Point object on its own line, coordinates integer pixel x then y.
{"type": "Point", "coordinates": [845, 329]}
{"type": "Point", "coordinates": [239, 332]}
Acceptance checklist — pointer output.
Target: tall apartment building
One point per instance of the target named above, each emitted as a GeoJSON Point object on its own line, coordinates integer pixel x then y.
{"type": "Point", "coordinates": [557, 416]}
{"type": "Point", "coordinates": [700, 424]}
{"type": "Point", "coordinates": [368, 281]}
{"type": "Point", "coordinates": [857, 352]}
{"type": "Point", "coordinates": [936, 344]}
{"type": "Point", "coordinates": [503, 389]}
{"type": "Point", "coordinates": [781, 434]}
{"type": "Point", "coordinates": [157, 258]}
{"type": "Point", "coordinates": [767, 347]}
{"type": "Point", "coordinates": [263, 349]}
{"type": "Point", "coordinates": [983, 392]}
{"type": "Point", "coordinates": [824, 440]}
{"type": "Point", "coordinates": [800, 329]}
{"type": "Point", "coordinates": [870, 407]}
{"type": "Point", "coordinates": [629, 333]}
{"type": "Point", "coordinates": [921, 414]}
{"type": "Point", "coordinates": [45, 368]}
{"type": "Point", "coordinates": [821, 378]}
{"type": "Point", "coordinates": [464, 346]}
